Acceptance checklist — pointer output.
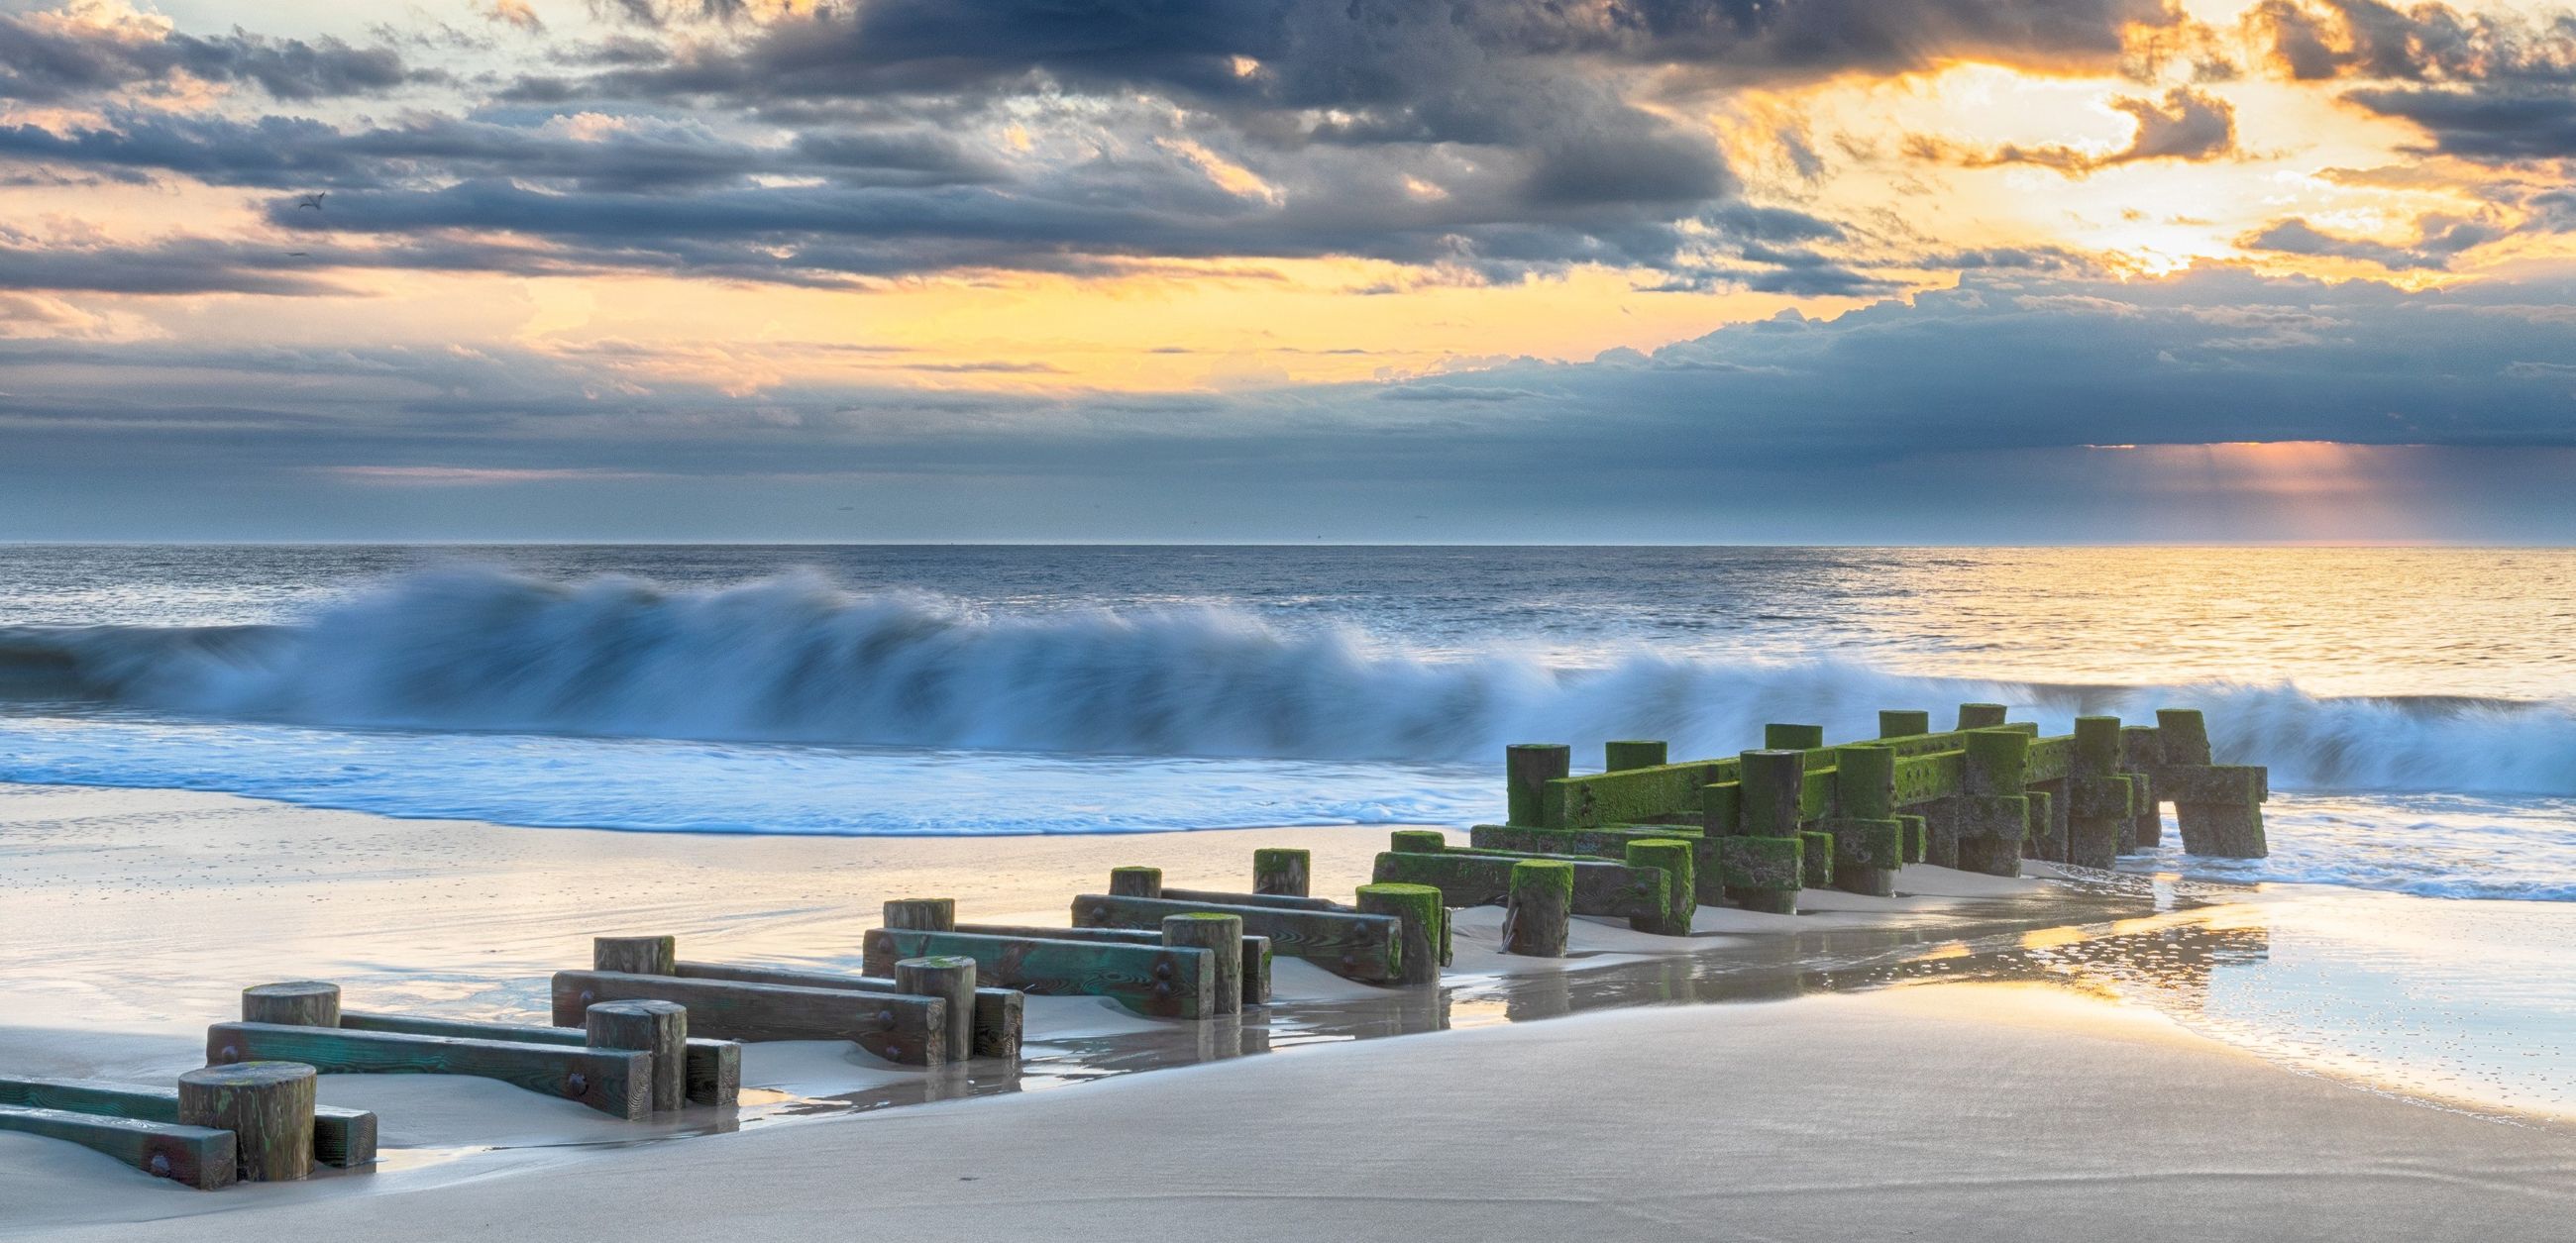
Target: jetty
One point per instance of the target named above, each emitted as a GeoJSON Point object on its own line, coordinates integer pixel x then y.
{"type": "Point", "coordinates": [640, 1032]}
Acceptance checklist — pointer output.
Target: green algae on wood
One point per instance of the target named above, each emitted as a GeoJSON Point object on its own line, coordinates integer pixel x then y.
{"type": "Point", "coordinates": [1763, 873]}
{"type": "Point", "coordinates": [1539, 909]}
{"type": "Point", "coordinates": [1780, 737]}
{"type": "Point", "coordinates": [1903, 722]}
{"type": "Point", "coordinates": [1816, 855]}
{"type": "Point", "coordinates": [1627, 753]}
{"type": "Point", "coordinates": [1418, 841]}
{"type": "Point", "coordinates": [1642, 896]}
{"type": "Point", "coordinates": [1527, 768]}
{"type": "Point", "coordinates": [1425, 920]}
{"type": "Point", "coordinates": [1674, 858]}
{"type": "Point", "coordinates": [1981, 716]}
{"type": "Point", "coordinates": [1774, 795]}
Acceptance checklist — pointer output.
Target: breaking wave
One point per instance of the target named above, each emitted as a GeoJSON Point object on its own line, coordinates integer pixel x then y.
{"type": "Point", "coordinates": [795, 660]}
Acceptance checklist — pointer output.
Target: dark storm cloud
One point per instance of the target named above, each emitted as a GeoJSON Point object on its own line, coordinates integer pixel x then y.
{"type": "Point", "coordinates": [2489, 126]}
{"type": "Point", "coordinates": [49, 57]}
{"type": "Point", "coordinates": [179, 266]}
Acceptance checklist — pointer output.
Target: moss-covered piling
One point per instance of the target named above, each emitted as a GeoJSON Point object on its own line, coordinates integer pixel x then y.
{"type": "Point", "coordinates": [1282, 872]}
{"type": "Point", "coordinates": [1425, 941]}
{"type": "Point", "coordinates": [1528, 767]}
{"type": "Point", "coordinates": [1630, 753]}
{"type": "Point", "coordinates": [1541, 907]}
{"type": "Point", "coordinates": [1674, 857]}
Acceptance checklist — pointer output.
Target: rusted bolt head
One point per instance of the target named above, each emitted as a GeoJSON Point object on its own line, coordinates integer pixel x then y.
{"type": "Point", "coordinates": [1162, 971]}
{"type": "Point", "coordinates": [893, 1052]}
{"type": "Point", "coordinates": [576, 1083]}
{"type": "Point", "coordinates": [160, 1166]}
{"type": "Point", "coordinates": [229, 1053]}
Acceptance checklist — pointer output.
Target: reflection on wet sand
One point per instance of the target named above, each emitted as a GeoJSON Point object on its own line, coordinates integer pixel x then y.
{"type": "Point", "coordinates": [2099, 934]}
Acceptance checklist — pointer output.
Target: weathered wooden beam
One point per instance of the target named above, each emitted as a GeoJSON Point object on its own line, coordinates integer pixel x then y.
{"type": "Point", "coordinates": [713, 1068]}
{"type": "Point", "coordinates": [1425, 919]}
{"type": "Point", "coordinates": [1358, 947]}
{"type": "Point", "coordinates": [1228, 897]}
{"type": "Point", "coordinates": [1674, 857]}
{"type": "Point", "coordinates": [1636, 796]}
{"type": "Point", "coordinates": [341, 1137]}
{"type": "Point", "coordinates": [910, 1031]}
{"type": "Point", "coordinates": [1617, 890]}
{"type": "Point", "coordinates": [1255, 951]}
{"type": "Point", "coordinates": [191, 1156]}
{"type": "Point", "coordinates": [2141, 753]}
{"type": "Point", "coordinates": [615, 1083]}
{"type": "Point", "coordinates": [1149, 979]}
{"type": "Point", "coordinates": [268, 1106]}
{"type": "Point", "coordinates": [999, 1012]}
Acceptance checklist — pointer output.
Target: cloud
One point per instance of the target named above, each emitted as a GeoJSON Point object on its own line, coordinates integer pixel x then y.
{"type": "Point", "coordinates": [2438, 240]}
{"type": "Point", "coordinates": [516, 13]}
{"type": "Point", "coordinates": [2186, 125]}
{"type": "Point", "coordinates": [2311, 40]}
{"type": "Point", "coordinates": [96, 47]}
{"type": "Point", "coordinates": [2487, 126]}
{"type": "Point", "coordinates": [1954, 414]}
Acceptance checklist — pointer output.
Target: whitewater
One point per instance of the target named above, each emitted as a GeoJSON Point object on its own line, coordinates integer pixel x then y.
{"type": "Point", "coordinates": [1064, 693]}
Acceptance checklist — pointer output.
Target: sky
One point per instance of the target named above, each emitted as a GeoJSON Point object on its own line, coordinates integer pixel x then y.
{"type": "Point", "coordinates": [1517, 271]}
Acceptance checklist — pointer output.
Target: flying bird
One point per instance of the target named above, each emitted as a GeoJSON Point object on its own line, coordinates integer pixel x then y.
{"type": "Point", "coordinates": [313, 201]}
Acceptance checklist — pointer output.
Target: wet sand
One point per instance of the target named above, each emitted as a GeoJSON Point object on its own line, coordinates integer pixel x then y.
{"type": "Point", "coordinates": [1981, 1112]}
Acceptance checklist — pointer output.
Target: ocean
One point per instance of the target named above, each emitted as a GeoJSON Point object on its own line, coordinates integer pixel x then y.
{"type": "Point", "coordinates": [2417, 707]}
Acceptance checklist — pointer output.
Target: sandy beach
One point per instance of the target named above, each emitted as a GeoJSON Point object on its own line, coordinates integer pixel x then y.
{"type": "Point", "coordinates": [1984, 1110]}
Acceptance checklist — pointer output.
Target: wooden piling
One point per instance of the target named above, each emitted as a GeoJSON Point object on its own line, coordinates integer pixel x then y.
{"type": "Point", "coordinates": [1527, 768]}
{"type": "Point", "coordinates": [1774, 787]}
{"type": "Point", "coordinates": [1222, 937]}
{"type": "Point", "coordinates": [2140, 754]}
{"type": "Point", "coordinates": [268, 1106]}
{"type": "Point", "coordinates": [1981, 716]}
{"type": "Point", "coordinates": [2182, 737]}
{"type": "Point", "coordinates": [1763, 873]}
{"type": "Point", "coordinates": [1423, 946]}
{"type": "Point", "coordinates": [1869, 843]}
{"type": "Point", "coordinates": [1994, 814]}
{"type": "Point", "coordinates": [1536, 919]}
{"type": "Point", "coordinates": [634, 955]}
{"type": "Point", "coordinates": [1282, 872]}
{"type": "Point", "coordinates": [1815, 859]}
{"type": "Point", "coordinates": [921, 914]}
{"type": "Point", "coordinates": [1417, 841]}
{"type": "Point", "coordinates": [1904, 723]}
{"type": "Point", "coordinates": [296, 1003]}
{"type": "Point", "coordinates": [1625, 754]}
{"type": "Point", "coordinates": [1673, 857]}
{"type": "Point", "coordinates": [660, 1028]}
{"type": "Point", "coordinates": [951, 978]}
{"type": "Point", "coordinates": [2098, 811]}
{"type": "Point", "coordinates": [1777, 737]}
{"type": "Point", "coordinates": [1136, 882]}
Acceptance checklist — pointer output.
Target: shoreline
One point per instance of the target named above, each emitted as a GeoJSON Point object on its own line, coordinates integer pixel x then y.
{"type": "Point", "coordinates": [465, 919]}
